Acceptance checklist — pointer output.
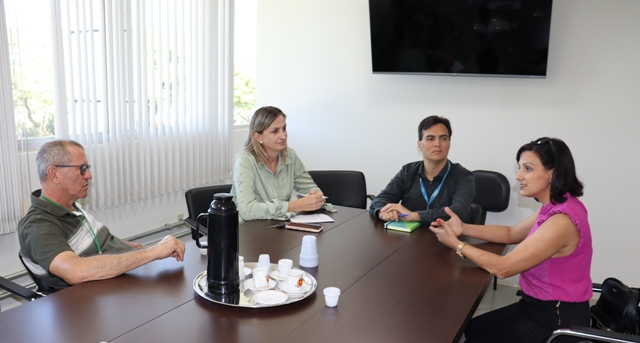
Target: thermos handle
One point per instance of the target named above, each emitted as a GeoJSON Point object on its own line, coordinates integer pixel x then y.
{"type": "Point", "coordinates": [197, 229]}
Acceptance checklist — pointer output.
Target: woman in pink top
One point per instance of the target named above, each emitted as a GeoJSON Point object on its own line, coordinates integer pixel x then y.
{"type": "Point", "coordinates": [553, 255]}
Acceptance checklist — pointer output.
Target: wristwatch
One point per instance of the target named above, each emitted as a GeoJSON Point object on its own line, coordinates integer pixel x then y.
{"type": "Point", "coordinates": [459, 249]}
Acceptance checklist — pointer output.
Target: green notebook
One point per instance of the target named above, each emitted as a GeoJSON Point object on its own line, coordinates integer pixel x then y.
{"type": "Point", "coordinates": [401, 226]}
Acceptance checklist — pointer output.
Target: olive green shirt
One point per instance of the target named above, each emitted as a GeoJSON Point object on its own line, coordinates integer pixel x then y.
{"type": "Point", "coordinates": [48, 230]}
{"type": "Point", "coordinates": [261, 194]}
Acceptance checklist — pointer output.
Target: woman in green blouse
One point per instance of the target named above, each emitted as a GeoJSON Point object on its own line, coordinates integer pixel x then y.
{"type": "Point", "coordinates": [266, 172]}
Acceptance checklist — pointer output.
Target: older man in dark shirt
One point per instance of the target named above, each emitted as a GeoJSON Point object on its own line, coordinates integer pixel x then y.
{"type": "Point", "coordinates": [62, 244]}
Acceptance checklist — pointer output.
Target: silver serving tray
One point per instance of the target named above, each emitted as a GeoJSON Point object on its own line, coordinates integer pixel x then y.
{"type": "Point", "coordinates": [246, 295]}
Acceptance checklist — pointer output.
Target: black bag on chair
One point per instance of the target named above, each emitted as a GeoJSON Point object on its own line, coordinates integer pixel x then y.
{"type": "Point", "coordinates": [617, 308]}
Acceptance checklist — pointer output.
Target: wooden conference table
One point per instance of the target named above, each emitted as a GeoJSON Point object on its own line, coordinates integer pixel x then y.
{"type": "Point", "coordinates": [395, 287]}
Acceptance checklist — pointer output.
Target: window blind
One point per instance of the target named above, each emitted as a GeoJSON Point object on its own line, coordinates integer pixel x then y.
{"type": "Point", "coordinates": [10, 181]}
{"type": "Point", "coordinates": [147, 88]}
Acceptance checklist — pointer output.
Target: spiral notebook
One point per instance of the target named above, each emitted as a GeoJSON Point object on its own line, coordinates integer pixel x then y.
{"type": "Point", "coordinates": [401, 226]}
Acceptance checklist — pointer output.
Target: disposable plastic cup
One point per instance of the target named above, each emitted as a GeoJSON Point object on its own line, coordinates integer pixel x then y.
{"type": "Point", "coordinates": [264, 261]}
{"type": "Point", "coordinates": [331, 296]}
{"type": "Point", "coordinates": [309, 252]}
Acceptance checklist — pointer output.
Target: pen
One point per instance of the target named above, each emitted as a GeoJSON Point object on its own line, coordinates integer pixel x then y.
{"type": "Point", "coordinates": [279, 225]}
{"type": "Point", "coordinates": [304, 195]}
{"type": "Point", "coordinates": [402, 214]}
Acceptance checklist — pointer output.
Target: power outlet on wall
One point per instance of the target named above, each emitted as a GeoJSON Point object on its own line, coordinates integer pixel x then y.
{"type": "Point", "coordinates": [180, 216]}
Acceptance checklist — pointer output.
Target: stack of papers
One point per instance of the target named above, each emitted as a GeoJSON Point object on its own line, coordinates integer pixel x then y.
{"type": "Point", "coordinates": [311, 218]}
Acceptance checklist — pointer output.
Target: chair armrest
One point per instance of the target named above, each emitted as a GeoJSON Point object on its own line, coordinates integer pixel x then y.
{"type": "Point", "coordinates": [597, 287]}
{"type": "Point", "coordinates": [595, 334]}
{"type": "Point", "coordinates": [370, 196]}
{"type": "Point", "coordinates": [192, 226]}
{"type": "Point", "coordinates": [18, 290]}
{"type": "Point", "coordinates": [190, 221]}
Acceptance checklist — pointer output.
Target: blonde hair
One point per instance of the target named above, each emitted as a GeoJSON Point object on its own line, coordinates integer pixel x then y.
{"type": "Point", "coordinates": [261, 120]}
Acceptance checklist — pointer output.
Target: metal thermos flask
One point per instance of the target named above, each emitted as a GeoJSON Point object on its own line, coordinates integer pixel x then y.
{"type": "Point", "coordinates": [223, 279]}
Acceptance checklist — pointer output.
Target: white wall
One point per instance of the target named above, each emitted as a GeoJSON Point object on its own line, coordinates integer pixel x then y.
{"type": "Point", "coordinates": [314, 63]}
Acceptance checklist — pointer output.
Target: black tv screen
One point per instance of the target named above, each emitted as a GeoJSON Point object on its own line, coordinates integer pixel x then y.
{"type": "Point", "coordinates": [461, 37]}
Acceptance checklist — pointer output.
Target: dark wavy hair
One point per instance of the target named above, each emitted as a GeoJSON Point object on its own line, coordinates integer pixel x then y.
{"type": "Point", "coordinates": [433, 120]}
{"type": "Point", "coordinates": [555, 154]}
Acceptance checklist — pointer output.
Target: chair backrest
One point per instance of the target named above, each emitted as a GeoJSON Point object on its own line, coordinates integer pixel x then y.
{"type": "Point", "coordinates": [41, 286]}
{"type": "Point", "coordinates": [475, 214]}
{"type": "Point", "coordinates": [343, 187]}
{"type": "Point", "coordinates": [199, 200]}
{"type": "Point", "coordinates": [492, 192]}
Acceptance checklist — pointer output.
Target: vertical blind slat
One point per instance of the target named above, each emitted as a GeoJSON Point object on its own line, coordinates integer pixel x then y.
{"type": "Point", "coordinates": [154, 125]}
{"type": "Point", "coordinates": [10, 181]}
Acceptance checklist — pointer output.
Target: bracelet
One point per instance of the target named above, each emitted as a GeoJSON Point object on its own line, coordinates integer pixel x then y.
{"type": "Point", "coordinates": [459, 249]}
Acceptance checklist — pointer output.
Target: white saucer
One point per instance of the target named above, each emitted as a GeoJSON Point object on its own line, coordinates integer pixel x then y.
{"type": "Point", "coordinates": [276, 275]}
{"type": "Point", "coordinates": [271, 297]}
{"type": "Point", "coordinates": [246, 271]}
{"type": "Point", "coordinates": [283, 287]}
{"type": "Point", "coordinates": [248, 284]}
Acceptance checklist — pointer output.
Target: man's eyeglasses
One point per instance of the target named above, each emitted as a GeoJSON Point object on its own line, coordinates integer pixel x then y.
{"type": "Point", "coordinates": [82, 167]}
{"type": "Point", "coordinates": [545, 140]}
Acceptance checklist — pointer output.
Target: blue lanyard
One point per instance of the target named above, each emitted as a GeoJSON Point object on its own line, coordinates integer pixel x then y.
{"type": "Point", "coordinates": [435, 193]}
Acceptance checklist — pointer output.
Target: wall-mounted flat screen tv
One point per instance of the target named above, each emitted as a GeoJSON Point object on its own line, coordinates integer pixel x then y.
{"type": "Point", "coordinates": [461, 37]}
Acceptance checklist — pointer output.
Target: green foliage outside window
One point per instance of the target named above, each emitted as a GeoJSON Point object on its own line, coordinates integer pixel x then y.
{"type": "Point", "coordinates": [31, 80]}
{"type": "Point", "coordinates": [244, 98]}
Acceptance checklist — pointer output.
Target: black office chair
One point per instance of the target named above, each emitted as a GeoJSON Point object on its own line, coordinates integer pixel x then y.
{"type": "Point", "coordinates": [492, 195]}
{"type": "Point", "coordinates": [343, 187]}
{"type": "Point", "coordinates": [474, 215]}
{"type": "Point", "coordinates": [18, 290]}
{"type": "Point", "coordinates": [199, 200]}
{"type": "Point", "coordinates": [492, 192]}
{"type": "Point", "coordinates": [593, 334]}
{"type": "Point", "coordinates": [42, 287]}
{"type": "Point", "coordinates": [23, 292]}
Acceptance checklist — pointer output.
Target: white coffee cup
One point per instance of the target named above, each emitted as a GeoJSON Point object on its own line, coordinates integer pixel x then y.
{"type": "Point", "coordinates": [264, 262]}
{"type": "Point", "coordinates": [260, 277]}
{"type": "Point", "coordinates": [284, 265]}
{"type": "Point", "coordinates": [294, 280]}
{"type": "Point", "coordinates": [241, 265]}
{"type": "Point", "coordinates": [331, 296]}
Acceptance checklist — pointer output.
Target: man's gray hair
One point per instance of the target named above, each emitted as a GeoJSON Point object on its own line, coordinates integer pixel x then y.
{"type": "Point", "coordinates": [54, 153]}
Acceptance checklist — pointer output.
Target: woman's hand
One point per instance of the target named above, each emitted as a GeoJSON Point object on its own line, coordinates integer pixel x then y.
{"type": "Point", "coordinates": [454, 222]}
{"type": "Point", "coordinates": [311, 202]}
{"type": "Point", "coordinates": [448, 231]}
{"type": "Point", "coordinates": [445, 233]}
